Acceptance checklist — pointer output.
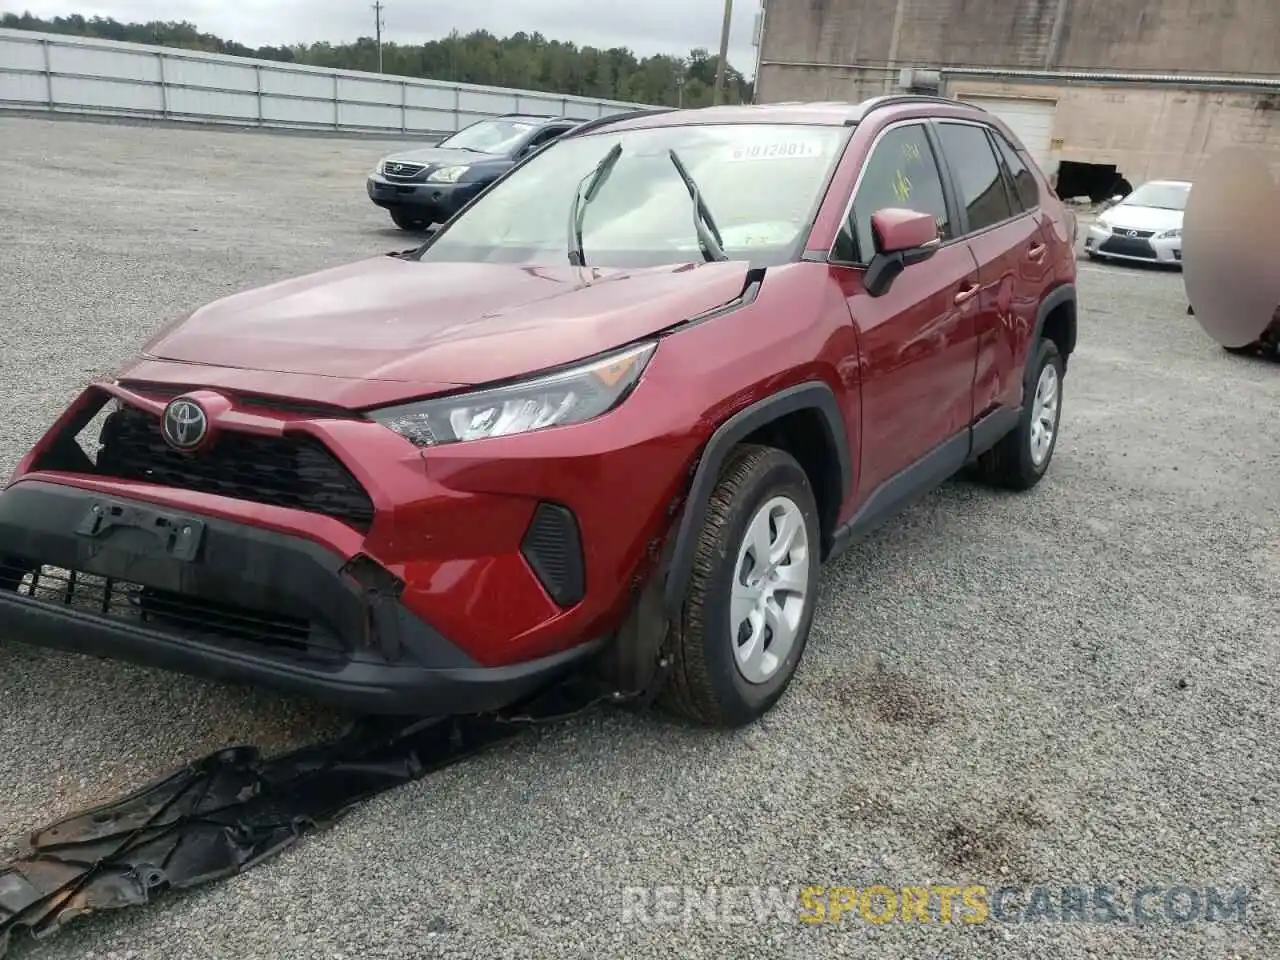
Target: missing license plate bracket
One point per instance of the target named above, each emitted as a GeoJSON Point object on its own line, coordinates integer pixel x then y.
{"type": "Point", "coordinates": [178, 536]}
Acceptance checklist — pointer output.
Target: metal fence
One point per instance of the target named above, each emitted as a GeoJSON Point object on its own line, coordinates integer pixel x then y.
{"type": "Point", "coordinates": [61, 74]}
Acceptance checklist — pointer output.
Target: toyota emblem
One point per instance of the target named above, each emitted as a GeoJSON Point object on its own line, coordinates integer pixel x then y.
{"type": "Point", "coordinates": [185, 424]}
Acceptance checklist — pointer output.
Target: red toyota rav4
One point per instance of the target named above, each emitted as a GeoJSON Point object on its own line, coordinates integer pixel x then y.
{"type": "Point", "coordinates": [608, 420]}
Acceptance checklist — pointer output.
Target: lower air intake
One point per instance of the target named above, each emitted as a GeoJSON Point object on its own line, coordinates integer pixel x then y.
{"type": "Point", "coordinates": [552, 547]}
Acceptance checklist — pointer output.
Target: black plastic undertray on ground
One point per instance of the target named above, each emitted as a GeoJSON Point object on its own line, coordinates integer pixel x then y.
{"type": "Point", "coordinates": [230, 810]}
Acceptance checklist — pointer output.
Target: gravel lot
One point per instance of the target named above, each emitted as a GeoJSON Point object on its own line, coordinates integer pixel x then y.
{"type": "Point", "coordinates": [1079, 685]}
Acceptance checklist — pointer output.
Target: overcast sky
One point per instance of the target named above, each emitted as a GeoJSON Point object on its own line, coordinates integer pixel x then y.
{"type": "Point", "coordinates": [647, 27]}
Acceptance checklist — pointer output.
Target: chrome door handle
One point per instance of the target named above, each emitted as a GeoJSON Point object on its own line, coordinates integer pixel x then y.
{"type": "Point", "coordinates": [967, 294]}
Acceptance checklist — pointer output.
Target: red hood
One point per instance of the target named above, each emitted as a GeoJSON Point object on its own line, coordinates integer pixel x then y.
{"type": "Point", "coordinates": [442, 323]}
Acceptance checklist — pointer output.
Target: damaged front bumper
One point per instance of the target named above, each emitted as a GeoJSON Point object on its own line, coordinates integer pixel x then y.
{"type": "Point", "coordinates": [124, 579]}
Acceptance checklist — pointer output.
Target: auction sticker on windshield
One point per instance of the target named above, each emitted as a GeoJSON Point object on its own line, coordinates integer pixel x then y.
{"type": "Point", "coordinates": [779, 150]}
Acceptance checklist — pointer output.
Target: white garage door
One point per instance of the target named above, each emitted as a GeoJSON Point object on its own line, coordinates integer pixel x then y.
{"type": "Point", "coordinates": [1031, 120]}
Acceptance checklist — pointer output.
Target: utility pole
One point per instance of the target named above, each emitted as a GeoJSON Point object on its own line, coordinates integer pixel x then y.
{"type": "Point", "coordinates": [718, 94]}
{"type": "Point", "coordinates": [377, 19]}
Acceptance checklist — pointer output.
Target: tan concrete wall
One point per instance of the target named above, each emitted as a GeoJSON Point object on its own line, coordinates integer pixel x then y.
{"type": "Point", "coordinates": [1146, 133]}
{"type": "Point", "coordinates": [809, 83]}
{"type": "Point", "coordinates": [1190, 36]}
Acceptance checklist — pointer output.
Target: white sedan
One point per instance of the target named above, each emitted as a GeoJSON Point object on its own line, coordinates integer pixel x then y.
{"type": "Point", "coordinates": [1146, 225]}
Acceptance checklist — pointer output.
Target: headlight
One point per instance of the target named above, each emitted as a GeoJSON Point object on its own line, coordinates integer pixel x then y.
{"type": "Point", "coordinates": [447, 174]}
{"type": "Point", "coordinates": [572, 396]}
{"type": "Point", "coordinates": [1170, 234]}
{"type": "Point", "coordinates": [380, 167]}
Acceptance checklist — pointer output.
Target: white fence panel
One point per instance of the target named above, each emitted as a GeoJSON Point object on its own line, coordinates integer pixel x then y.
{"type": "Point", "coordinates": [106, 64]}
{"type": "Point", "coordinates": [426, 121]}
{"type": "Point", "coordinates": [293, 83]}
{"type": "Point", "coordinates": [210, 76]}
{"type": "Point", "coordinates": [433, 98]}
{"type": "Point", "coordinates": [369, 91]}
{"type": "Point", "coordinates": [24, 88]}
{"type": "Point", "coordinates": [95, 95]}
{"type": "Point", "coordinates": [368, 115]}
{"type": "Point", "coordinates": [16, 55]}
{"type": "Point", "coordinates": [290, 113]}
{"type": "Point", "coordinates": [63, 74]}
{"type": "Point", "coordinates": [216, 104]}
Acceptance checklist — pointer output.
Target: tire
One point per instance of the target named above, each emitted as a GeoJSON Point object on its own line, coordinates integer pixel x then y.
{"type": "Point", "coordinates": [706, 684]}
{"type": "Point", "coordinates": [409, 221]}
{"type": "Point", "coordinates": [1011, 463]}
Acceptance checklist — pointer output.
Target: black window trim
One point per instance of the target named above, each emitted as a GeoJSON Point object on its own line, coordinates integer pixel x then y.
{"type": "Point", "coordinates": [950, 197]}
{"type": "Point", "coordinates": [955, 185]}
{"type": "Point", "coordinates": [547, 132]}
{"type": "Point", "coordinates": [1006, 175]}
{"type": "Point", "coordinates": [1012, 184]}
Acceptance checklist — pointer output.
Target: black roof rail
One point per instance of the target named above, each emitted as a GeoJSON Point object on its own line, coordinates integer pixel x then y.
{"type": "Point", "coordinates": [903, 99]}
{"type": "Point", "coordinates": [599, 122]}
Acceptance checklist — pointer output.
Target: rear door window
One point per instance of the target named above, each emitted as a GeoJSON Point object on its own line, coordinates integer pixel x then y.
{"type": "Point", "coordinates": [901, 172]}
{"type": "Point", "coordinates": [977, 175]}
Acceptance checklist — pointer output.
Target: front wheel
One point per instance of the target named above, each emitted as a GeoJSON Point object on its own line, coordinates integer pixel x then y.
{"type": "Point", "coordinates": [409, 221]}
{"type": "Point", "coordinates": [751, 595]}
{"type": "Point", "coordinates": [1021, 458]}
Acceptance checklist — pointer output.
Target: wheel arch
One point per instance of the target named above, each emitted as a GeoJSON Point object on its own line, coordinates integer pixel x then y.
{"type": "Point", "coordinates": [1056, 319]}
{"type": "Point", "coordinates": [816, 403]}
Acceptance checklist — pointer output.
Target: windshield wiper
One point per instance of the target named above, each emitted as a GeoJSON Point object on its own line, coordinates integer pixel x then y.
{"type": "Point", "coordinates": [704, 224]}
{"type": "Point", "coordinates": [594, 181]}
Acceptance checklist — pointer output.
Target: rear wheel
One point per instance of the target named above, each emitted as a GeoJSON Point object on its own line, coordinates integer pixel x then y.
{"type": "Point", "coordinates": [1022, 456]}
{"type": "Point", "coordinates": [751, 595]}
{"type": "Point", "coordinates": [412, 222]}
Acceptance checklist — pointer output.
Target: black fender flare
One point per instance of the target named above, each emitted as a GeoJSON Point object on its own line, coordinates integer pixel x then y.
{"type": "Point", "coordinates": [810, 395]}
{"type": "Point", "coordinates": [1065, 293]}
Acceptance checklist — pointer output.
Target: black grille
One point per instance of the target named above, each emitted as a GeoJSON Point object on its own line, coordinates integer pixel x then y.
{"type": "Point", "coordinates": [294, 472]}
{"type": "Point", "coordinates": [402, 171]}
{"type": "Point", "coordinates": [553, 550]}
{"type": "Point", "coordinates": [169, 612]}
{"type": "Point", "coordinates": [1126, 247]}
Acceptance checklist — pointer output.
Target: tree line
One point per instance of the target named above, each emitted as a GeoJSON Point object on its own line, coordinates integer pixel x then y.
{"type": "Point", "coordinates": [523, 60]}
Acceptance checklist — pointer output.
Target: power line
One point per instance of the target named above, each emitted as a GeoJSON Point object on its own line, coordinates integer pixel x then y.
{"type": "Point", "coordinates": [378, 7]}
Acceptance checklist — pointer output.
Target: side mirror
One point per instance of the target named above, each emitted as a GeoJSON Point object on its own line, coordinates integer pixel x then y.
{"type": "Point", "coordinates": [902, 238]}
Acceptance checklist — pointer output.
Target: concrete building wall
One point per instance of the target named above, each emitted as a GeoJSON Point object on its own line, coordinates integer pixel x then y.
{"type": "Point", "coordinates": [1145, 132]}
{"type": "Point", "coordinates": [1191, 36]}
{"type": "Point", "coordinates": [851, 49]}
